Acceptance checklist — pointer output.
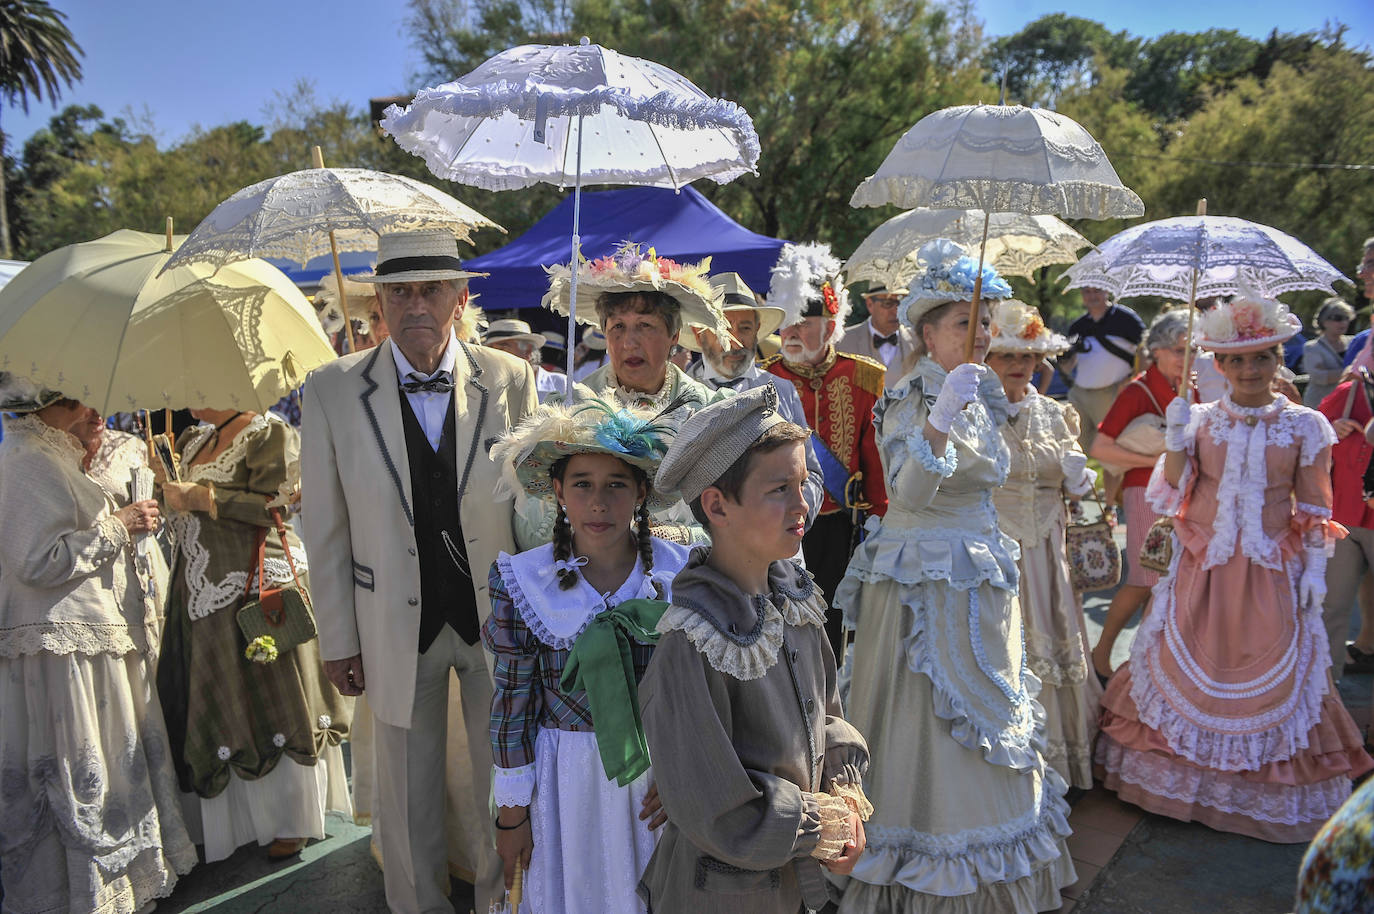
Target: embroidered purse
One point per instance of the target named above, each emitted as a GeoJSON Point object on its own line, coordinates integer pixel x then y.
{"type": "Point", "coordinates": [1157, 550]}
{"type": "Point", "coordinates": [1094, 557]}
{"type": "Point", "coordinates": [281, 613]}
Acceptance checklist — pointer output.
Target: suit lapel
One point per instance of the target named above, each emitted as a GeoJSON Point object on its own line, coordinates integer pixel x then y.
{"type": "Point", "coordinates": [382, 408]}
{"type": "Point", "coordinates": [470, 400]}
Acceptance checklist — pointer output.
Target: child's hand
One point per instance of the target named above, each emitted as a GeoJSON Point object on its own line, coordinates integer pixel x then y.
{"type": "Point", "coordinates": [843, 865]}
{"type": "Point", "coordinates": [652, 808]}
{"type": "Point", "coordinates": [514, 844]}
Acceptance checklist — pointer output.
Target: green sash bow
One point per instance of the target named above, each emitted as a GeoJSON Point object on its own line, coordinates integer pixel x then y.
{"type": "Point", "coordinates": [600, 665]}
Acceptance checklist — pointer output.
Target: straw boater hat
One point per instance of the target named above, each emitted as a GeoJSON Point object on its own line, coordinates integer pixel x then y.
{"type": "Point", "coordinates": [20, 395]}
{"type": "Point", "coordinates": [512, 330]}
{"type": "Point", "coordinates": [528, 451]}
{"type": "Point", "coordinates": [594, 339]}
{"type": "Point", "coordinates": [949, 276]}
{"type": "Point", "coordinates": [807, 282]}
{"type": "Point", "coordinates": [554, 340]}
{"type": "Point", "coordinates": [1017, 327]}
{"type": "Point", "coordinates": [736, 296]}
{"type": "Point", "coordinates": [632, 269]}
{"type": "Point", "coordinates": [1247, 323]}
{"type": "Point", "coordinates": [418, 257]}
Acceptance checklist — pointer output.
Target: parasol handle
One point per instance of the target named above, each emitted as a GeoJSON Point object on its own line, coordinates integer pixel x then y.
{"type": "Point", "coordinates": [169, 234]}
{"type": "Point", "coordinates": [975, 319]}
{"type": "Point", "coordinates": [318, 154]}
{"type": "Point", "coordinates": [1192, 310]}
{"type": "Point", "coordinates": [517, 889]}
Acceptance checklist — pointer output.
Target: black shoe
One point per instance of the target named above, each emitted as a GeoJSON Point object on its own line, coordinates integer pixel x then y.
{"type": "Point", "coordinates": [1359, 661]}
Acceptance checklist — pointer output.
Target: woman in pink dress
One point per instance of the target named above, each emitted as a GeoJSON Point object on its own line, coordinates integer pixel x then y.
{"type": "Point", "coordinates": [1225, 713]}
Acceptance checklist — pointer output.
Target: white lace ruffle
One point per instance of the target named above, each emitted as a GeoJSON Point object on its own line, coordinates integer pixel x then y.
{"type": "Point", "coordinates": [742, 661]}
{"type": "Point", "coordinates": [1090, 199]}
{"type": "Point", "coordinates": [910, 555]}
{"type": "Point", "coordinates": [919, 448]}
{"type": "Point", "coordinates": [961, 862]}
{"type": "Point", "coordinates": [74, 637]}
{"type": "Point", "coordinates": [223, 468]}
{"type": "Point", "coordinates": [1281, 804]}
{"type": "Point", "coordinates": [206, 596]}
{"type": "Point", "coordinates": [513, 786]}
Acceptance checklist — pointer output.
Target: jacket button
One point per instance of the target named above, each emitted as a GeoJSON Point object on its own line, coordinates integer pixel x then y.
{"type": "Point", "coordinates": [810, 705]}
{"type": "Point", "coordinates": [733, 629]}
{"type": "Point", "coordinates": [794, 655]}
{"type": "Point", "coordinates": [411, 550]}
{"type": "Point", "coordinates": [413, 602]}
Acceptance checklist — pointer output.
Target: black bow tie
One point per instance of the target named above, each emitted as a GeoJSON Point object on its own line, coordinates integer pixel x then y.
{"type": "Point", "coordinates": [732, 383]}
{"type": "Point", "coordinates": [441, 383]}
{"type": "Point", "coordinates": [885, 340]}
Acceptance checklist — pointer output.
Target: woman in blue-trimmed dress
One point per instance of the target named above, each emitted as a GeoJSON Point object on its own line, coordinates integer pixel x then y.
{"type": "Point", "coordinates": [572, 784]}
{"type": "Point", "coordinates": [968, 816]}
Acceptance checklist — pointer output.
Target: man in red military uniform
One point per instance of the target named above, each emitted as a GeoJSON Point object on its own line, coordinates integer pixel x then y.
{"type": "Point", "coordinates": [837, 391]}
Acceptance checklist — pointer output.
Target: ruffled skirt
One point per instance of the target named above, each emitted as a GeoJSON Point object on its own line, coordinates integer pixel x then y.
{"type": "Point", "coordinates": [1057, 653]}
{"type": "Point", "coordinates": [89, 818]}
{"type": "Point", "coordinates": [964, 821]}
{"type": "Point", "coordinates": [1226, 714]}
{"type": "Point", "coordinates": [590, 847]}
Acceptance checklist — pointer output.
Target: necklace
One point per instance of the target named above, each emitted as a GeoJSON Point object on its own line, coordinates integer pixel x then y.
{"type": "Point", "coordinates": [213, 439]}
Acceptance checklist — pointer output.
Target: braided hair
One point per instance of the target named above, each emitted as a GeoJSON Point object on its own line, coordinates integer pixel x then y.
{"type": "Point", "coordinates": [562, 528]}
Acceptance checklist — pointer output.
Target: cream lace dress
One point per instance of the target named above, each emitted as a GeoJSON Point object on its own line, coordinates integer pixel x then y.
{"type": "Point", "coordinates": [968, 816]}
{"type": "Point", "coordinates": [1030, 509]}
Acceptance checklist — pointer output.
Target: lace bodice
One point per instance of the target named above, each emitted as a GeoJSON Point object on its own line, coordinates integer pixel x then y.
{"type": "Point", "coordinates": [1030, 504]}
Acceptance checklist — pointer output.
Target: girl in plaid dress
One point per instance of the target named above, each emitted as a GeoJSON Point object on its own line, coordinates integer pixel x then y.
{"type": "Point", "coordinates": [574, 793]}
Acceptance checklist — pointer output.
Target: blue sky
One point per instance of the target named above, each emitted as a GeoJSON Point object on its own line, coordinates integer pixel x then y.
{"type": "Point", "coordinates": [187, 63]}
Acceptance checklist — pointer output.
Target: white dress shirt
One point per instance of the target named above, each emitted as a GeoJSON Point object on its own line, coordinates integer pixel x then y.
{"type": "Point", "coordinates": [887, 352]}
{"type": "Point", "coordinates": [431, 408]}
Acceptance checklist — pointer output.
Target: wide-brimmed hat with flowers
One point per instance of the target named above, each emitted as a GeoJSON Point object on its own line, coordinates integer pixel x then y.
{"type": "Point", "coordinates": [950, 275]}
{"type": "Point", "coordinates": [634, 269]}
{"type": "Point", "coordinates": [1017, 327]}
{"type": "Point", "coordinates": [1247, 323]}
{"type": "Point", "coordinates": [528, 451]}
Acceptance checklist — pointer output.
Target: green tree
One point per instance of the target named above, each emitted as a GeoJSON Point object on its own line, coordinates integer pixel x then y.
{"type": "Point", "coordinates": [38, 55]}
{"type": "Point", "coordinates": [1055, 54]}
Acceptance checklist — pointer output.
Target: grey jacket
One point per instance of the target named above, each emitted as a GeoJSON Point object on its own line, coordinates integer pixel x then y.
{"type": "Point", "coordinates": [744, 726]}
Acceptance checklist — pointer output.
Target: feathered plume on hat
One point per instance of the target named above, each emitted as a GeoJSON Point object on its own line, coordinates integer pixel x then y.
{"type": "Point", "coordinates": [950, 275]}
{"type": "Point", "coordinates": [807, 282]}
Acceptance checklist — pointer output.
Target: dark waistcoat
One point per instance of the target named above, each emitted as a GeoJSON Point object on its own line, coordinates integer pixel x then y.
{"type": "Point", "coordinates": [446, 595]}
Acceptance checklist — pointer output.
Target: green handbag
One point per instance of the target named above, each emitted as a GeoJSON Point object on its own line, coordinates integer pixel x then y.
{"type": "Point", "coordinates": [281, 613]}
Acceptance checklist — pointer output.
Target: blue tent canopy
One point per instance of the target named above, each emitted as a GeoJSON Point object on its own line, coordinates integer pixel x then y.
{"type": "Point", "coordinates": [684, 226]}
{"type": "Point", "coordinates": [310, 275]}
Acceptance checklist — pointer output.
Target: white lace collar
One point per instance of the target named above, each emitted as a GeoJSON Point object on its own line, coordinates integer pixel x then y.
{"type": "Point", "coordinates": [62, 443]}
{"type": "Point", "coordinates": [1272, 408]}
{"type": "Point", "coordinates": [221, 469]}
{"type": "Point", "coordinates": [556, 616]}
{"type": "Point", "coordinates": [656, 400]}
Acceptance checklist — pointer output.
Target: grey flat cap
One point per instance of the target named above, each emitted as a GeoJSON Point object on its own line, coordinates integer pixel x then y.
{"type": "Point", "coordinates": [714, 437]}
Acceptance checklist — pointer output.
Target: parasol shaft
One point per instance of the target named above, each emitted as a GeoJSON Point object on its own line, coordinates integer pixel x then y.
{"type": "Point", "coordinates": [574, 265]}
{"type": "Point", "coordinates": [517, 890]}
{"type": "Point", "coordinates": [318, 154]}
{"type": "Point", "coordinates": [1192, 310]}
{"type": "Point", "coordinates": [169, 234]}
{"type": "Point", "coordinates": [975, 315]}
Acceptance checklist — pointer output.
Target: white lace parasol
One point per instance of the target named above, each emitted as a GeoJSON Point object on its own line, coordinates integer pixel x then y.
{"type": "Point", "coordinates": [290, 216]}
{"type": "Point", "coordinates": [1000, 158]}
{"type": "Point", "coordinates": [1160, 258]}
{"type": "Point", "coordinates": [1018, 245]}
{"type": "Point", "coordinates": [524, 117]}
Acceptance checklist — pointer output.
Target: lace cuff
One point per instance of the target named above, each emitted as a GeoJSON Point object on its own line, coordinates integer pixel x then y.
{"type": "Point", "coordinates": [113, 531]}
{"type": "Point", "coordinates": [513, 786]}
{"type": "Point", "coordinates": [853, 796]}
{"type": "Point", "coordinates": [833, 815]}
{"type": "Point", "coordinates": [919, 448]}
{"type": "Point", "coordinates": [1167, 500]}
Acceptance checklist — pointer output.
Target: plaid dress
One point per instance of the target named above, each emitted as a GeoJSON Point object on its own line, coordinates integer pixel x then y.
{"type": "Point", "coordinates": [224, 712]}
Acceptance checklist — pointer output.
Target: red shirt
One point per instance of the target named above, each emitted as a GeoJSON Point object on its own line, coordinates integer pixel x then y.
{"type": "Point", "coordinates": [1132, 403]}
{"type": "Point", "coordinates": [1349, 458]}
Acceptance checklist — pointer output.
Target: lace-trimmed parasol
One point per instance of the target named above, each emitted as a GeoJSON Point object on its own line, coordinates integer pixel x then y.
{"type": "Point", "coordinates": [1018, 245]}
{"type": "Point", "coordinates": [574, 115]}
{"type": "Point", "coordinates": [1225, 253]}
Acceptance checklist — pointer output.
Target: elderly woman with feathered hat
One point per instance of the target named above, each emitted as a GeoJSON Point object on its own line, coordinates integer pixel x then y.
{"type": "Point", "coordinates": [90, 819]}
{"type": "Point", "coordinates": [938, 671]}
{"type": "Point", "coordinates": [640, 302]}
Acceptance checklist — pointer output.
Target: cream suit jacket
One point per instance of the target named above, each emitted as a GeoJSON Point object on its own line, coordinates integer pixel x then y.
{"type": "Point", "coordinates": [357, 508]}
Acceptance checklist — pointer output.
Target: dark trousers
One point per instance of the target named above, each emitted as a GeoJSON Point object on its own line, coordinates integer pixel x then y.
{"type": "Point", "coordinates": [827, 547]}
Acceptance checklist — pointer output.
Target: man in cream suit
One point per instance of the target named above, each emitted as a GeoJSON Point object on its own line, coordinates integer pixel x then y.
{"type": "Point", "coordinates": [401, 529]}
{"type": "Point", "coordinates": [882, 337]}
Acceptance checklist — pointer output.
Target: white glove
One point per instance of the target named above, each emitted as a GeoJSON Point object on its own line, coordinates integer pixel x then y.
{"type": "Point", "coordinates": [1312, 584]}
{"type": "Point", "coordinates": [961, 389]}
{"type": "Point", "coordinates": [1176, 416]}
{"type": "Point", "coordinates": [1082, 484]}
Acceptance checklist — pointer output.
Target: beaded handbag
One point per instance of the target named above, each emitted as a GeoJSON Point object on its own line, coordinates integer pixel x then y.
{"type": "Point", "coordinates": [1094, 557]}
{"type": "Point", "coordinates": [1157, 550]}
